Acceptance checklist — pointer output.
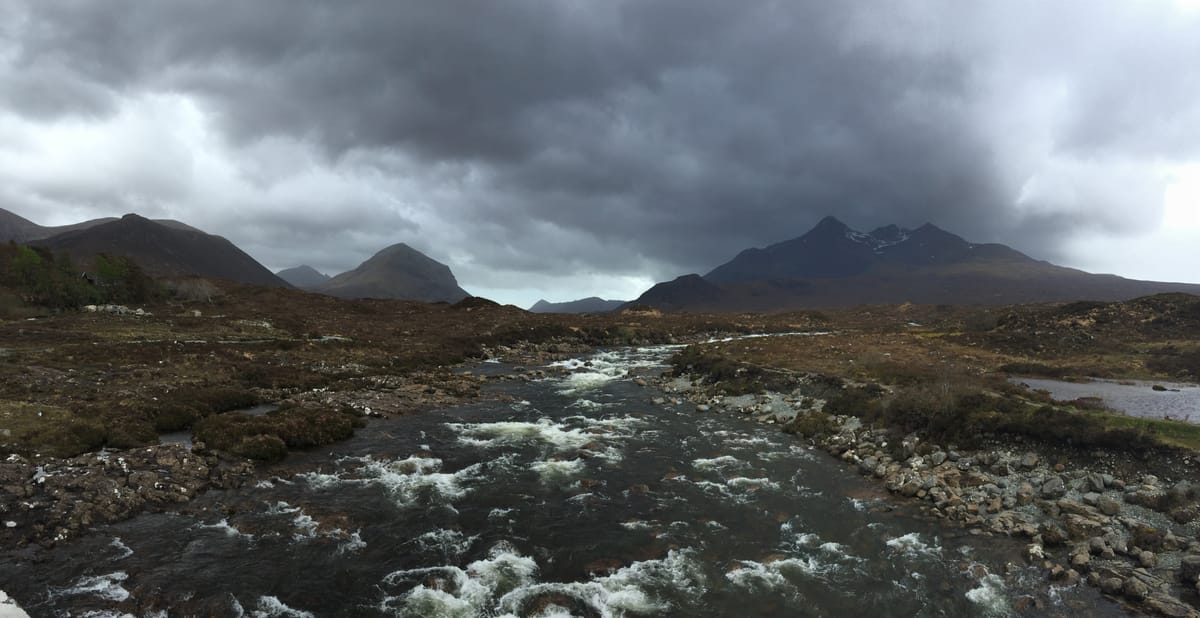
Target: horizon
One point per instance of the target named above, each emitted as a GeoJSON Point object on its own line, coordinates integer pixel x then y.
{"type": "Point", "coordinates": [525, 303]}
{"type": "Point", "coordinates": [572, 150]}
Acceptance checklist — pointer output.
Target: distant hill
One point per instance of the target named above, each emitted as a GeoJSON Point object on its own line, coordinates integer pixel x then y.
{"type": "Point", "coordinates": [163, 250]}
{"type": "Point", "coordinates": [592, 304]}
{"type": "Point", "coordinates": [303, 276]}
{"type": "Point", "coordinates": [19, 229]}
{"type": "Point", "coordinates": [400, 272]}
{"type": "Point", "coordinates": [833, 265]}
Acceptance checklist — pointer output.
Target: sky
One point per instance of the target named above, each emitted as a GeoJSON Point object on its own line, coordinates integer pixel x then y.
{"type": "Point", "coordinates": [567, 148]}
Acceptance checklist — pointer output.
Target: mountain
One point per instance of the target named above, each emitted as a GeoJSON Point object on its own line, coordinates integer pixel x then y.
{"type": "Point", "coordinates": [834, 265]}
{"type": "Point", "coordinates": [163, 250]}
{"type": "Point", "coordinates": [591, 304]}
{"type": "Point", "coordinates": [398, 271]}
{"type": "Point", "coordinates": [16, 228]}
{"type": "Point", "coordinates": [303, 276]}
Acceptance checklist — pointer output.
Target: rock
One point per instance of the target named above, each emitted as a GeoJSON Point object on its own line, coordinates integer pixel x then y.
{"type": "Point", "coordinates": [1024, 494]}
{"type": "Point", "coordinates": [1108, 505]}
{"type": "Point", "coordinates": [1029, 461]}
{"type": "Point", "coordinates": [1149, 497]}
{"type": "Point", "coordinates": [1134, 589]}
{"type": "Point", "coordinates": [702, 408]}
{"type": "Point", "coordinates": [1054, 488]}
{"type": "Point", "coordinates": [1052, 533]}
{"type": "Point", "coordinates": [1091, 498]}
{"type": "Point", "coordinates": [1147, 559]}
{"type": "Point", "coordinates": [937, 459]}
{"type": "Point", "coordinates": [1081, 527]}
{"type": "Point", "coordinates": [1111, 585]}
{"type": "Point", "coordinates": [1095, 482]}
{"type": "Point", "coordinates": [1080, 559]}
{"type": "Point", "coordinates": [1189, 569]}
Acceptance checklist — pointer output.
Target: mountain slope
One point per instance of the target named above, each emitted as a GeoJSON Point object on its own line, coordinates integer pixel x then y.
{"type": "Point", "coordinates": [303, 276]}
{"type": "Point", "coordinates": [398, 271]}
{"type": "Point", "coordinates": [19, 229]}
{"type": "Point", "coordinates": [591, 304]}
{"type": "Point", "coordinates": [833, 265]}
{"type": "Point", "coordinates": [164, 250]}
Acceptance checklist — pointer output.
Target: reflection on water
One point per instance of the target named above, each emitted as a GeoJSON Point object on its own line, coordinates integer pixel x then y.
{"type": "Point", "coordinates": [1174, 401]}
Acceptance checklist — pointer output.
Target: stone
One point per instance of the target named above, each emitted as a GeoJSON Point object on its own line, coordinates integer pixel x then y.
{"type": "Point", "coordinates": [1147, 559]}
{"type": "Point", "coordinates": [1080, 559]}
{"type": "Point", "coordinates": [702, 408]}
{"type": "Point", "coordinates": [1029, 461]}
{"type": "Point", "coordinates": [1095, 482]}
{"type": "Point", "coordinates": [1081, 527]}
{"type": "Point", "coordinates": [1108, 505]}
{"type": "Point", "coordinates": [1134, 589]}
{"type": "Point", "coordinates": [1189, 569]}
{"type": "Point", "coordinates": [1052, 533]}
{"type": "Point", "coordinates": [1091, 498]}
{"type": "Point", "coordinates": [1054, 487]}
{"type": "Point", "coordinates": [1111, 585]}
{"type": "Point", "coordinates": [937, 459]}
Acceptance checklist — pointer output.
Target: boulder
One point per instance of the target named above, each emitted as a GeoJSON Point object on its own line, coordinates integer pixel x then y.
{"type": "Point", "coordinates": [1134, 589]}
{"type": "Point", "coordinates": [1108, 505]}
{"type": "Point", "coordinates": [1054, 487]}
{"type": "Point", "coordinates": [1189, 569]}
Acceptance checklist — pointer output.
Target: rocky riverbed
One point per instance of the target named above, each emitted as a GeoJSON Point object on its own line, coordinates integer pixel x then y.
{"type": "Point", "coordinates": [1102, 519]}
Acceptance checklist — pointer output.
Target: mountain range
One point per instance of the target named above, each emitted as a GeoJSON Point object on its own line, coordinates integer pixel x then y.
{"type": "Point", "coordinates": [831, 265]}
{"type": "Point", "coordinates": [834, 265]}
{"type": "Point", "coordinates": [591, 304]}
{"type": "Point", "coordinates": [170, 248]}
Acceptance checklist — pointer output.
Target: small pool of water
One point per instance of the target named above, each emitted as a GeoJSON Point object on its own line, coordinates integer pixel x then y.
{"type": "Point", "coordinates": [1139, 398]}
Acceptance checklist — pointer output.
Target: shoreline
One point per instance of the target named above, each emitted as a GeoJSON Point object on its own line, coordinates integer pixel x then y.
{"type": "Point", "coordinates": [1085, 517]}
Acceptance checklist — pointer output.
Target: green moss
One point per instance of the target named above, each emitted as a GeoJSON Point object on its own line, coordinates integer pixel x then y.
{"type": "Point", "coordinates": [293, 427]}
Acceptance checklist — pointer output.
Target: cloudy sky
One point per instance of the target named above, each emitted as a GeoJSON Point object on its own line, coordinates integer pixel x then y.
{"type": "Point", "coordinates": [565, 148]}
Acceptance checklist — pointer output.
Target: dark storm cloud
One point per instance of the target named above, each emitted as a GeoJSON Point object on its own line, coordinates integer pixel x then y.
{"type": "Point", "coordinates": [652, 135]}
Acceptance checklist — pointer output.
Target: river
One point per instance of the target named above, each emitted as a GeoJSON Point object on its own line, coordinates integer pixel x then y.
{"type": "Point", "coordinates": [568, 496]}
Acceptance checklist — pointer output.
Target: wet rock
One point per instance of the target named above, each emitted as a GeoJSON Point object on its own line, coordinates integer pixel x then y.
{"type": "Point", "coordinates": [1029, 461]}
{"type": "Point", "coordinates": [1147, 559]}
{"type": "Point", "coordinates": [937, 458]}
{"type": "Point", "coordinates": [1108, 505]}
{"type": "Point", "coordinates": [702, 408]}
{"type": "Point", "coordinates": [1054, 487]}
{"type": "Point", "coordinates": [1095, 482]}
{"type": "Point", "coordinates": [1134, 589]}
{"type": "Point", "coordinates": [1081, 527]}
{"type": "Point", "coordinates": [1081, 559]}
{"type": "Point", "coordinates": [1052, 533]}
{"type": "Point", "coordinates": [1111, 585]}
{"type": "Point", "coordinates": [1150, 497]}
{"type": "Point", "coordinates": [1189, 569]}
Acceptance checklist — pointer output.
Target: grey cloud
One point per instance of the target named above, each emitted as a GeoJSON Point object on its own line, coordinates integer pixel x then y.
{"type": "Point", "coordinates": [652, 135]}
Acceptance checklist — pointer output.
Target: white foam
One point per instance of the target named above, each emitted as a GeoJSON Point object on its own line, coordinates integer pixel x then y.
{"type": "Point", "coordinates": [407, 479]}
{"type": "Point", "coordinates": [912, 544]}
{"type": "Point", "coordinates": [627, 590]}
{"type": "Point", "coordinates": [990, 596]}
{"type": "Point", "coordinates": [107, 587]}
{"type": "Point", "coordinates": [272, 607]}
{"type": "Point", "coordinates": [448, 543]}
{"type": "Point", "coordinates": [281, 508]}
{"type": "Point", "coordinates": [470, 590]}
{"type": "Point", "coordinates": [557, 471]}
{"type": "Point", "coordinates": [775, 576]}
{"type": "Point", "coordinates": [718, 463]}
{"type": "Point", "coordinates": [9, 607]}
{"type": "Point", "coordinates": [123, 550]}
{"type": "Point", "coordinates": [226, 527]}
{"type": "Point", "coordinates": [353, 543]}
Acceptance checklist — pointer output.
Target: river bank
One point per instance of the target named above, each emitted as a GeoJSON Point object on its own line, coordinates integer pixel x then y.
{"type": "Point", "coordinates": [1107, 518]}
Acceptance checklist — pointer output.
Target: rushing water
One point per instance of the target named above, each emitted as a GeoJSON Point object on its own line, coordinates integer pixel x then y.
{"type": "Point", "coordinates": [571, 496]}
